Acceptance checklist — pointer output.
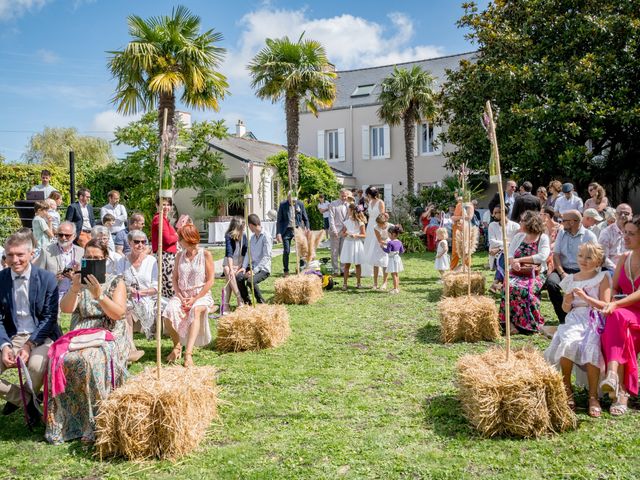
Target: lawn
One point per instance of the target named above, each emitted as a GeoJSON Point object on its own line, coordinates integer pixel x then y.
{"type": "Point", "coordinates": [362, 389]}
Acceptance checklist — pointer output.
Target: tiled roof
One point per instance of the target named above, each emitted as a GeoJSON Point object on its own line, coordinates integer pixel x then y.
{"type": "Point", "coordinates": [247, 149]}
{"type": "Point", "coordinates": [348, 80]}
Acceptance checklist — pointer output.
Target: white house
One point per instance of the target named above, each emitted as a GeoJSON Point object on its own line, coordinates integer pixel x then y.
{"type": "Point", "coordinates": [352, 138]}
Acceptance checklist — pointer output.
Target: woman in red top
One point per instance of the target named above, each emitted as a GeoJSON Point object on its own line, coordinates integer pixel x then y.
{"type": "Point", "coordinates": [169, 245]}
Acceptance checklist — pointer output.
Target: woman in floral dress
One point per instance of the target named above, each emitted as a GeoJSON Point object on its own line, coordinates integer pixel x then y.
{"type": "Point", "coordinates": [90, 368]}
{"type": "Point", "coordinates": [529, 247]}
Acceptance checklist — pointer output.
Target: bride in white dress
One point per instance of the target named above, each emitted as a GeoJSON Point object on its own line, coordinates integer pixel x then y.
{"type": "Point", "coordinates": [372, 250]}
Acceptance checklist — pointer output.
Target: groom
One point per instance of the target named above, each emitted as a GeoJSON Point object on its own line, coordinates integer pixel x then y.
{"type": "Point", "coordinates": [28, 320]}
{"type": "Point", "coordinates": [291, 215]}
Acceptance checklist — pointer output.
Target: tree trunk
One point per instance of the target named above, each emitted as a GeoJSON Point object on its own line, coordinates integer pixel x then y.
{"type": "Point", "coordinates": [292, 111]}
{"type": "Point", "coordinates": [168, 101]}
{"type": "Point", "coordinates": [409, 139]}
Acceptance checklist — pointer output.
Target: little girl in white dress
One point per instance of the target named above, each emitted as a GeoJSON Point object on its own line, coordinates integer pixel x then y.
{"type": "Point", "coordinates": [353, 247]}
{"type": "Point", "coordinates": [577, 341]}
{"type": "Point", "coordinates": [380, 257]}
{"type": "Point", "coordinates": [442, 251]}
{"type": "Point", "coordinates": [395, 248]}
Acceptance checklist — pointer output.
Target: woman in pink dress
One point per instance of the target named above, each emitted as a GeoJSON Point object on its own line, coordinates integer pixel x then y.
{"type": "Point", "coordinates": [186, 316]}
{"type": "Point", "coordinates": [621, 336]}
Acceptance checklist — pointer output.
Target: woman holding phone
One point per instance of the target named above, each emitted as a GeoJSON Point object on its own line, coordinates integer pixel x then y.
{"type": "Point", "coordinates": [90, 360]}
{"type": "Point", "coordinates": [621, 335]}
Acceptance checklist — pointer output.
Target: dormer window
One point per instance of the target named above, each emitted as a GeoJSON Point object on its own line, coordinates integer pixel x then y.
{"type": "Point", "coordinates": [363, 90]}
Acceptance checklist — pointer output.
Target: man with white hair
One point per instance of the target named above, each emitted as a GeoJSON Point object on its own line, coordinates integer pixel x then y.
{"type": "Point", "coordinates": [338, 210]}
{"type": "Point", "coordinates": [62, 258]}
{"type": "Point", "coordinates": [28, 323]}
{"type": "Point", "coordinates": [611, 238]}
{"type": "Point", "coordinates": [591, 220]}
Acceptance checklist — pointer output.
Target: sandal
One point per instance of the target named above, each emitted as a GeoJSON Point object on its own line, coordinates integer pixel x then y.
{"type": "Point", "coordinates": [175, 354]}
{"type": "Point", "coordinates": [188, 360]}
{"type": "Point", "coordinates": [344, 288]}
{"type": "Point", "coordinates": [594, 410]}
{"type": "Point", "coordinates": [610, 385]}
{"type": "Point", "coordinates": [618, 408]}
{"type": "Point", "coordinates": [571, 403]}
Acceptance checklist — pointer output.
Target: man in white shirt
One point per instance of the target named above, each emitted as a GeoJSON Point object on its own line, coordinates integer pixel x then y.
{"type": "Point", "coordinates": [611, 238]}
{"type": "Point", "coordinates": [28, 322]}
{"type": "Point", "coordinates": [45, 178]}
{"type": "Point", "coordinates": [117, 210]}
{"type": "Point", "coordinates": [337, 215]}
{"type": "Point", "coordinates": [251, 274]}
{"type": "Point", "coordinates": [323, 207]}
{"type": "Point", "coordinates": [568, 200]}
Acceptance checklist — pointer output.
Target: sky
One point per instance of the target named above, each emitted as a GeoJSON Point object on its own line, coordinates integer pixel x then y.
{"type": "Point", "coordinates": [53, 54]}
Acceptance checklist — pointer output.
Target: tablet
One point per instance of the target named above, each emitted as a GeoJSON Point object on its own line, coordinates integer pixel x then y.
{"type": "Point", "coordinates": [97, 268]}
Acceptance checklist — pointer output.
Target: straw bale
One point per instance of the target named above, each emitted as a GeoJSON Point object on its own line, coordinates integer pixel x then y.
{"type": "Point", "coordinates": [455, 284]}
{"type": "Point", "coordinates": [523, 398]}
{"type": "Point", "coordinates": [302, 289]}
{"type": "Point", "coordinates": [149, 418]}
{"type": "Point", "coordinates": [253, 328]}
{"type": "Point", "coordinates": [468, 319]}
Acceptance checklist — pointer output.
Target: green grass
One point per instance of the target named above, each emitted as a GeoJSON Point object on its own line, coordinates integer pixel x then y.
{"type": "Point", "coordinates": [362, 389]}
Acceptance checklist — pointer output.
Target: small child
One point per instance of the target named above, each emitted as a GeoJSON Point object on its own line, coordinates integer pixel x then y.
{"type": "Point", "coordinates": [394, 248]}
{"type": "Point", "coordinates": [442, 251]}
{"type": "Point", "coordinates": [41, 226]}
{"type": "Point", "coordinates": [381, 258]}
{"type": "Point", "coordinates": [109, 221]}
{"type": "Point", "coordinates": [353, 248]}
{"type": "Point", "coordinates": [577, 341]}
{"type": "Point", "coordinates": [53, 214]}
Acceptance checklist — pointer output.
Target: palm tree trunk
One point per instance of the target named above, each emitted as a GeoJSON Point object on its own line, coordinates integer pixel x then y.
{"type": "Point", "coordinates": [409, 139]}
{"type": "Point", "coordinates": [168, 101]}
{"type": "Point", "coordinates": [292, 112]}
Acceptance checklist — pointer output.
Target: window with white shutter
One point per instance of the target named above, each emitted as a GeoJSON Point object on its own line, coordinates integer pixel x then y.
{"type": "Point", "coordinates": [365, 142]}
{"type": "Point", "coordinates": [388, 196]}
{"type": "Point", "coordinates": [341, 144]}
{"type": "Point", "coordinates": [321, 144]}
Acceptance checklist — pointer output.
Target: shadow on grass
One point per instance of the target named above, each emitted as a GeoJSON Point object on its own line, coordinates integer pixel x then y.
{"type": "Point", "coordinates": [429, 334]}
{"type": "Point", "coordinates": [443, 413]}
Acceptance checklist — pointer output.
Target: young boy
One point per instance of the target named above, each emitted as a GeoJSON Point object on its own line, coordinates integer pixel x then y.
{"type": "Point", "coordinates": [260, 268]}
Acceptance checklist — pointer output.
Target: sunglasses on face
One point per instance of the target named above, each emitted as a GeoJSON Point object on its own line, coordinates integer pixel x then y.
{"type": "Point", "coordinates": [65, 235]}
{"type": "Point", "coordinates": [139, 242]}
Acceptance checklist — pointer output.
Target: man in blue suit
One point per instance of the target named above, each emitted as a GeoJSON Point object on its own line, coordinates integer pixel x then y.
{"type": "Point", "coordinates": [291, 215]}
{"type": "Point", "coordinates": [80, 213]}
{"type": "Point", "coordinates": [28, 320]}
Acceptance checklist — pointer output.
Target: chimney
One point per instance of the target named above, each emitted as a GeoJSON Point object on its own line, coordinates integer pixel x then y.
{"type": "Point", "coordinates": [241, 129]}
{"type": "Point", "coordinates": [184, 118]}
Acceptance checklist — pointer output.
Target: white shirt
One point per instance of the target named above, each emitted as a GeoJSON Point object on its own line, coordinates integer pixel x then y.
{"type": "Point", "coordinates": [120, 214]}
{"type": "Point", "coordinates": [612, 241]}
{"type": "Point", "coordinates": [24, 320]}
{"type": "Point", "coordinates": [564, 204]}
{"type": "Point", "coordinates": [495, 236]}
{"type": "Point", "coordinates": [322, 206]}
{"type": "Point", "coordinates": [86, 223]}
{"type": "Point", "coordinates": [544, 249]}
{"type": "Point", "coordinates": [46, 189]}
{"type": "Point", "coordinates": [55, 219]}
{"type": "Point", "coordinates": [510, 200]}
{"type": "Point", "coordinates": [113, 261]}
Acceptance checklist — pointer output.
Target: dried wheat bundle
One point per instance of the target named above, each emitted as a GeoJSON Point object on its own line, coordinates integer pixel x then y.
{"type": "Point", "coordinates": [150, 418]}
{"type": "Point", "coordinates": [468, 319]}
{"type": "Point", "coordinates": [302, 289]}
{"type": "Point", "coordinates": [253, 328]}
{"type": "Point", "coordinates": [455, 284]}
{"type": "Point", "coordinates": [467, 240]}
{"type": "Point", "coordinates": [523, 397]}
{"type": "Point", "coordinates": [307, 243]}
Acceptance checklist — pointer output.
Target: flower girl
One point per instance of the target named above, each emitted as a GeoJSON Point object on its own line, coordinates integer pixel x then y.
{"type": "Point", "coordinates": [442, 251]}
{"type": "Point", "coordinates": [394, 248]}
{"type": "Point", "coordinates": [353, 248]}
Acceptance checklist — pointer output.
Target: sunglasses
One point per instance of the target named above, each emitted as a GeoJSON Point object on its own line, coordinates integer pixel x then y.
{"type": "Point", "coordinates": [140, 242]}
{"type": "Point", "coordinates": [65, 235]}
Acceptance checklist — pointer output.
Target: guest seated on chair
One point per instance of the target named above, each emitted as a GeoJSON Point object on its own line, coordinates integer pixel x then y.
{"type": "Point", "coordinates": [62, 258]}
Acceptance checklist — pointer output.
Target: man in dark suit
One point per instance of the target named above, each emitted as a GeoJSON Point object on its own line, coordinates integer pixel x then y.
{"type": "Point", "coordinates": [80, 213]}
{"type": "Point", "coordinates": [509, 197]}
{"type": "Point", "coordinates": [291, 215]}
{"type": "Point", "coordinates": [525, 201]}
{"type": "Point", "coordinates": [28, 320]}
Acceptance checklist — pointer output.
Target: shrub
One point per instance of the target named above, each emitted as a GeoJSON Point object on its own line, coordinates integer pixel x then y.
{"type": "Point", "coordinates": [412, 243]}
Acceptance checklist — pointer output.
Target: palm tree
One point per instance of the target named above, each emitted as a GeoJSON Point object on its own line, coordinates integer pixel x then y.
{"type": "Point", "coordinates": [296, 72]}
{"type": "Point", "coordinates": [167, 54]}
{"type": "Point", "coordinates": [407, 97]}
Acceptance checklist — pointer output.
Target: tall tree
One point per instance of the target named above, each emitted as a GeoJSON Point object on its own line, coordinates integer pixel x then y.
{"type": "Point", "coordinates": [407, 97]}
{"type": "Point", "coordinates": [563, 75]}
{"type": "Point", "coordinates": [300, 73]}
{"type": "Point", "coordinates": [168, 54]}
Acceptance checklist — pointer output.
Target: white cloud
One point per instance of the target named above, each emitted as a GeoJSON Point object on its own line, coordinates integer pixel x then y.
{"type": "Point", "coordinates": [47, 56]}
{"type": "Point", "coordinates": [350, 41]}
{"type": "Point", "coordinates": [109, 120]}
{"type": "Point", "coordinates": [15, 8]}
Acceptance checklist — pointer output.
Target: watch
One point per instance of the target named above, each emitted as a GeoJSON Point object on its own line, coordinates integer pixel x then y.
{"type": "Point", "coordinates": [101, 297]}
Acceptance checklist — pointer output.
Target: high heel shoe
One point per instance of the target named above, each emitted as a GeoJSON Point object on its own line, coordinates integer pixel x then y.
{"type": "Point", "coordinates": [175, 354]}
{"type": "Point", "coordinates": [610, 385]}
{"type": "Point", "coordinates": [188, 360]}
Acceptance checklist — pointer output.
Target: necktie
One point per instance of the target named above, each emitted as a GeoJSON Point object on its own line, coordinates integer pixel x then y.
{"type": "Point", "coordinates": [20, 277]}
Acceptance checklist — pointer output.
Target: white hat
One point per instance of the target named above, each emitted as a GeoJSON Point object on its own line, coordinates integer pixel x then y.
{"type": "Point", "coordinates": [592, 213]}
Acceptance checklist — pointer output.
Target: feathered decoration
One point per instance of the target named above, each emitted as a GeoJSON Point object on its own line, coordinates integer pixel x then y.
{"type": "Point", "coordinates": [467, 240]}
{"type": "Point", "coordinates": [307, 242]}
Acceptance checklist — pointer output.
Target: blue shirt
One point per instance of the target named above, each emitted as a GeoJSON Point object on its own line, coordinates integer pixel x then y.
{"type": "Point", "coordinates": [566, 246]}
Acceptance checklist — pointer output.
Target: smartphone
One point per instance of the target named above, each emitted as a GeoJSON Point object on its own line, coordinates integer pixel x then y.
{"type": "Point", "coordinates": [97, 268]}
{"type": "Point", "coordinates": [619, 296]}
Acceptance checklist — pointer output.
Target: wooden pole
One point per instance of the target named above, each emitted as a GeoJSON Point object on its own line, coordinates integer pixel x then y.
{"type": "Point", "coordinates": [505, 247]}
{"type": "Point", "coordinates": [468, 255]}
{"type": "Point", "coordinates": [247, 197]}
{"type": "Point", "coordinates": [160, 225]}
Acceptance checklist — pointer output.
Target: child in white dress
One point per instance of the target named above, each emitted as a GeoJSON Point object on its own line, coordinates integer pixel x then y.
{"type": "Point", "coordinates": [353, 248]}
{"type": "Point", "coordinates": [577, 341]}
{"type": "Point", "coordinates": [394, 248]}
{"type": "Point", "coordinates": [381, 258]}
{"type": "Point", "coordinates": [442, 251]}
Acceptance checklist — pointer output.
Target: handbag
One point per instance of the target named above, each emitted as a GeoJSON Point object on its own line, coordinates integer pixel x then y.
{"type": "Point", "coordinates": [524, 270]}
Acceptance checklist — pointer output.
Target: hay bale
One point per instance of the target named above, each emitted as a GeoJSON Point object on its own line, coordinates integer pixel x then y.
{"type": "Point", "coordinates": [165, 419]}
{"type": "Point", "coordinates": [523, 398]}
{"type": "Point", "coordinates": [253, 328]}
{"type": "Point", "coordinates": [468, 319]}
{"type": "Point", "coordinates": [455, 284]}
{"type": "Point", "coordinates": [302, 289]}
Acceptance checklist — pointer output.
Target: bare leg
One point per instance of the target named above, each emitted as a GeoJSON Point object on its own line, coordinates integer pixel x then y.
{"type": "Point", "coordinates": [347, 266]}
{"type": "Point", "coordinates": [566, 366]}
{"type": "Point", "coordinates": [375, 276]}
{"type": "Point", "coordinates": [232, 286]}
{"type": "Point", "coordinates": [176, 353]}
{"type": "Point", "coordinates": [593, 376]}
{"type": "Point", "coordinates": [396, 281]}
{"type": "Point", "coordinates": [358, 274]}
